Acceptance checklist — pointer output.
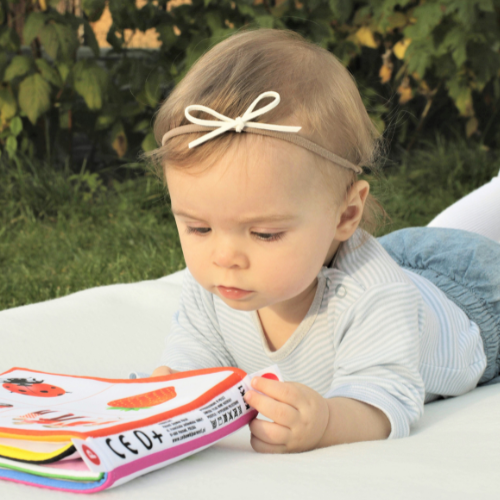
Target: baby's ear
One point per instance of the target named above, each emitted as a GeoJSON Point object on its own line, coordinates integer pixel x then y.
{"type": "Point", "coordinates": [352, 210]}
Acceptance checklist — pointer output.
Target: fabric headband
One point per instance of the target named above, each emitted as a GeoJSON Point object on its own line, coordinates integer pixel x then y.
{"type": "Point", "coordinates": [243, 123]}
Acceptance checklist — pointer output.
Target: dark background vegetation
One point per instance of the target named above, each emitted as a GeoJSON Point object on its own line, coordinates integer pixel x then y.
{"type": "Point", "coordinates": [77, 208]}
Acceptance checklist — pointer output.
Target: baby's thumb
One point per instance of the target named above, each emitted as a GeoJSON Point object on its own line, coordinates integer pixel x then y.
{"type": "Point", "coordinates": [163, 370]}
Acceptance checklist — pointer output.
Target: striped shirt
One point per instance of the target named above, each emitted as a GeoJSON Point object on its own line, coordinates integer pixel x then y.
{"type": "Point", "coordinates": [374, 332]}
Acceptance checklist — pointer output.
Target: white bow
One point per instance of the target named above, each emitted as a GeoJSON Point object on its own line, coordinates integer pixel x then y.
{"type": "Point", "coordinates": [238, 123]}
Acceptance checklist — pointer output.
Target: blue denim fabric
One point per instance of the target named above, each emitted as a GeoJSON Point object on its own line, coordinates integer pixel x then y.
{"type": "Point", "coordinates": [466, 267]}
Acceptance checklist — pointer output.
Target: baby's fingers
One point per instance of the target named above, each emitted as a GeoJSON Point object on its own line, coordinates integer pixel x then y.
{"type": "Point", "coordinates": [278, 412]}
{"type": "Point", "coordinates": [269, 433]}
{"type": "Point", "coordinates": [163, 370]}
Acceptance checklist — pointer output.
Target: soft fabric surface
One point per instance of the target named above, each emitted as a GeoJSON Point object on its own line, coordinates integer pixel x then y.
{"type": "Point", "coordinates": [452, 453]}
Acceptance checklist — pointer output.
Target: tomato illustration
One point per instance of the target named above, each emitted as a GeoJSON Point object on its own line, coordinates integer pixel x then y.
{"type": "Point", "coordinates": [32, 388]}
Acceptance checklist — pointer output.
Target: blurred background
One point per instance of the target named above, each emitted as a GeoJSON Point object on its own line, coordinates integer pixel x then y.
{"type": "Point", "coordinates": [82, 79]}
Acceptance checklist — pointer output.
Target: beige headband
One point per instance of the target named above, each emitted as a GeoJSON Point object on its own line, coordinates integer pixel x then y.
{"type": "Point", "coordinates": [243, 123]}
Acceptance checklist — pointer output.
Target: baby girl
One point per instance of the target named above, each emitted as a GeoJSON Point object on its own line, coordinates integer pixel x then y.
{"type": "Point", "coordinates": [261, 146]}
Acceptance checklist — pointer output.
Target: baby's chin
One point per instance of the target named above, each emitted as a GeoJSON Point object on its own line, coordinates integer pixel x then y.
{"type": "Point", "coordinates": [246, 304]}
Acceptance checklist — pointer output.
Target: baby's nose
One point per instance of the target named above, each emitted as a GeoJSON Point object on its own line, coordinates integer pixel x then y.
{"type": "Point", "coordinates": [227, 255]}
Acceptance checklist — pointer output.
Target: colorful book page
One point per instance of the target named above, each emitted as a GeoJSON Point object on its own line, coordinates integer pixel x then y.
{"type": "Point", "coordinates": [74, 470]}
{"type": "Point", "coordinates": [52, 407]}
{"type": "Point", "coordinates": [53, 483]}
{"type": "Point", "coordinates": [36, 451]}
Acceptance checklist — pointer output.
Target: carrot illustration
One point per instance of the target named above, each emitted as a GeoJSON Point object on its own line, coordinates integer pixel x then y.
{"type": "Point", "coordinates": [142, 401]}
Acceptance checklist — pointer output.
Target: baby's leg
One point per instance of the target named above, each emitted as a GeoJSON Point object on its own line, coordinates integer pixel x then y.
{"type": "Point", "coordinates": [478, 212]}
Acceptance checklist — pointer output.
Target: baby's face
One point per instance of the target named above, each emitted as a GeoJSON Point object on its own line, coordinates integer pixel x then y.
{"type": "Point", "coordinates": [229, 228]}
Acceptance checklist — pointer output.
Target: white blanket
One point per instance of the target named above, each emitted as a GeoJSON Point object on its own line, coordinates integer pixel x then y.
{"type": "Point", "coordinates": [453, 453]}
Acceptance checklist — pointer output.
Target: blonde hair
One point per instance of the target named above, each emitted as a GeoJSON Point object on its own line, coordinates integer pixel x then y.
{"type": "Point", "coordinates": [317, 92]}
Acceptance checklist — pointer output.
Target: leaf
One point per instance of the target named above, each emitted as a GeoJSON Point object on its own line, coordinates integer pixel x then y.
{"type": "Point", "coordinates": [378, 122]}
{"type": "Point", "coordinates": [50, 40]}
{"type": "Point", "coordinates": [91, 39]}
{"type": "Point", "coordinates": [34, 96]}
{"type": "Point", "coordinates": [462, 96]}
{"type": "Point", "coordinates": [32, 26]}
{"type": "Point", "coordinates": [400, 48]}
{"type": "Point", "coordinates": [49, 73]}
{"type": "Point", "coordinates": [486, 5]}
{"type": "Point", "coordinates": [365, 37]}
{"type": "Point", "coordinates": [11, 146]}
{"type": "Point", "coordinates": [471, 126]}
{"type": "Point", "coordinates": [428, 17]}
{"type": "Point", "coordinates": [68, 41]}
{"type": "Point", "coordinates": [142, 126]}
{"type": "Point", "coordinates": [119, 139]}
{"type": "Point", "coordinates": [265, 21]}
{"type": "Point", "coordinates": [9, 39]}
{"type": "Point", "coordinates": [63, 69]}
{"type": "Point", "coordinates": [385, 73]}
{"type": "Point", "coordinates": [93, 9]}
{"type": "Point", "coordinates": [149, 142]}
{"type": "Point", "coordinates": [59, 40]}
{"type": "Point", "coordinates": [213, 20]}
{"type": "Point", "coordinates": [341, 9]}
{"type": "Point", "coordinates": [485, 63]}
{"type": "Point", "coordinates": [131, 109]}
{"type": "Point", "coordinates": [418, 54]}
{"type": "Point", "coordinates": [405, 91]}
{"type": "Point", "coordinates": [64, 119]}
{"type": "Point", "coordinates": [16, 125]}
{"type": "Point", "coordinates": [8, 105]}
{"type": "Point", "coordinates": [152, 88]}
{"type": "Point", "coordinates": [18, 66]}
{"type": "Point", "coordinates": [104, 121]}
{"type": "Point", "coordinates": [397, 20]}
{"type": "Point", "coordinates": [167, 36]}
{"type": "Point", "coordinates": [90, 81]}
{"type": "Point", "coordinates": [455, 42]}
{"type": "Point", "coordinates": [246, 10]}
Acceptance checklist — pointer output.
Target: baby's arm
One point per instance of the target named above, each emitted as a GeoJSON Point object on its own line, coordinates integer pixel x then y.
{"type": "Point", "coordinates": [377, 390]}
{"type": "Point", "coordinates": [304, 420]}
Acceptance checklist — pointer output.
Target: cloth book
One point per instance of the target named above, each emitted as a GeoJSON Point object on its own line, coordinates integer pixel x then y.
{"type": "Point", "coordinates": [87, 434]}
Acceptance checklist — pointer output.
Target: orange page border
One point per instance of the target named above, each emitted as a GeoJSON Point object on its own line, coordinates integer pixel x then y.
{"type": "Point", "coordinates": [215, 391]}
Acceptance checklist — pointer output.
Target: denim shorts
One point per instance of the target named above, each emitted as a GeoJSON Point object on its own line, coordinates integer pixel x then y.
{"type": "Point", "coordinates": [466, 267]}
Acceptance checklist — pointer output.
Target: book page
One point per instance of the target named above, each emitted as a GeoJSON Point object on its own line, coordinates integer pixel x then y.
{"type": "Point", "coordinates": [35, 404]}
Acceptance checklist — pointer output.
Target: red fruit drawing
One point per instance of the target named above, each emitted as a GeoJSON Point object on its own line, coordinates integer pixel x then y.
{"type": "Point", "coordinates": [32, 387]}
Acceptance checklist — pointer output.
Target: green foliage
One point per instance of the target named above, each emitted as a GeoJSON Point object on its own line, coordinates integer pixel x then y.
{"type": "Point", "coordinates": [417, 62]}
{"type": "Point", "coordinates": [34, 96]}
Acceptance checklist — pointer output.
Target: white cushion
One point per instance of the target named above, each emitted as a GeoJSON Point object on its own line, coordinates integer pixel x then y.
{"type": "Point", "coordinates": [453, 452]}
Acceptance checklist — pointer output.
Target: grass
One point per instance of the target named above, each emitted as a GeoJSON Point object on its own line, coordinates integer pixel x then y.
{"type": "Point", "coordinates": [59, 234]}
{"type": "Point", "coordinates": [62, 232]}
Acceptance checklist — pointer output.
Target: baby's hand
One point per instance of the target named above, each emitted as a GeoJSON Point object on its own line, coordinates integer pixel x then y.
{"type": "Point", "coordinates": [163, 370]}
{"type": "Point", "coordinates": [300, 416]}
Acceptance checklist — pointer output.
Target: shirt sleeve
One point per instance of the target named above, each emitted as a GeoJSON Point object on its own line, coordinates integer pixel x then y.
{"type": "Point", "coordinates": [195, 340]}
{"type": "Point", "coordinates": [378, 351]}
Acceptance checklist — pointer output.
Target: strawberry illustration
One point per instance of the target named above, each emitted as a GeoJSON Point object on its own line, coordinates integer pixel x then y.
{"type": "Point", "coordinates": [142, 401]}
{"type": "Point", "coordinates": [32, 387]}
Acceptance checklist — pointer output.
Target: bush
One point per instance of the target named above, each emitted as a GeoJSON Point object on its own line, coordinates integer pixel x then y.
{"type": "Point", "coordinates": [422, 66]}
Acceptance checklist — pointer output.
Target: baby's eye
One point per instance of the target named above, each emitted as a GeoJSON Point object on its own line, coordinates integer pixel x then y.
{"type": "Point", "coordinates": [198, 230]}
{"type": "Point", "coordinates": [261, 236]}
{"type": "Point", "coordinates": [269, 236]}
